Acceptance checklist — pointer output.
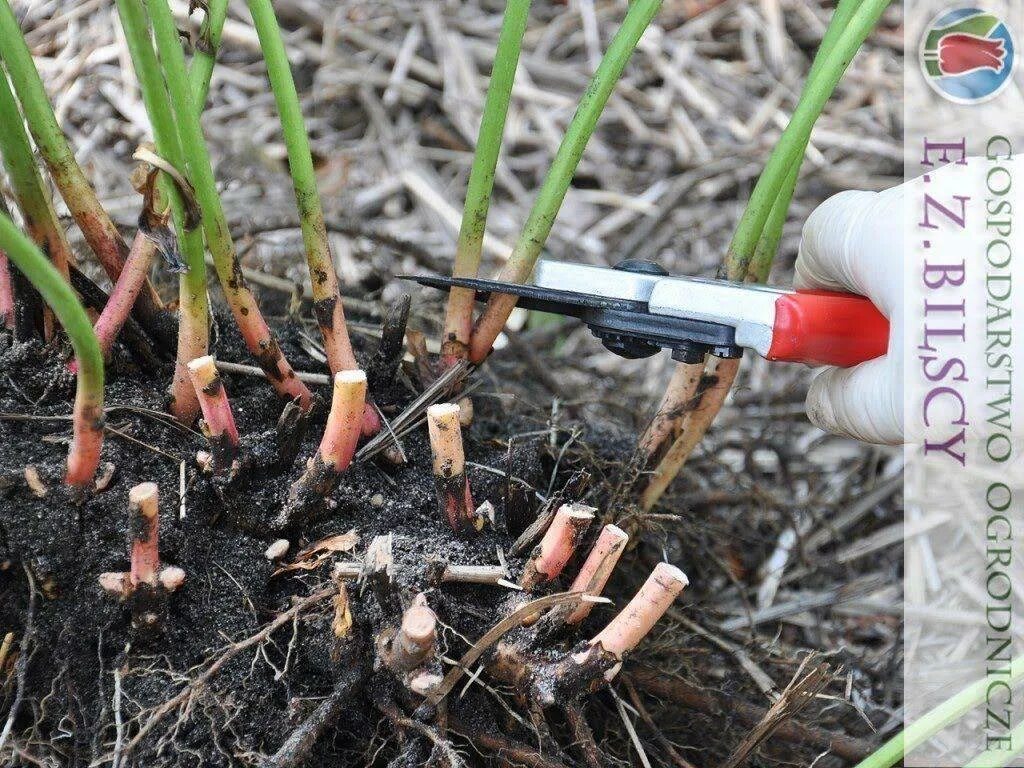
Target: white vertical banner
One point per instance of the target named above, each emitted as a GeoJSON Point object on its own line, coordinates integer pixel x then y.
{"type": "Point", "coordinates": [964, 342]}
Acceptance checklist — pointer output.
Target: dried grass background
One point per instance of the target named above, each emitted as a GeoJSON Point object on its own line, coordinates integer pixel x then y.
{"type": "Point", "coordinates": [792, 539]}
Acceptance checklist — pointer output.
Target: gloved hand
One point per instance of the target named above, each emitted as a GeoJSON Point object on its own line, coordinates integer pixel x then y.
{"type": "Point", "coordinates": [854, 242]}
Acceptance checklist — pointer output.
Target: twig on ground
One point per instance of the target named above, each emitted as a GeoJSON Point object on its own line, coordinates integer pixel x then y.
{"type": "Point", "coordinates": [668, 746]}
{"type": "Point", "coordinates": [296, 747]}
{"type": "Point", "coordinates": [583, 737]}
{"type": "Point", "coordinates": [447, 750]}
{"type": "Point", "coordinates": [494, 634]}
{"type": "Point", "coordinates": [194, 686]}
{"type": "Point", "coordinates": [802, 689]}
{"type": "Point", "coordinates": [23, 658]}
{"type": "Point", "coordinates": [678, 691]}
{"type": "Point", "coordinates": [511, 751]}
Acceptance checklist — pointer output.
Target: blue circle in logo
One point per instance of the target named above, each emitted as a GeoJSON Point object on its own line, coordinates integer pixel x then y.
{"type": "Point", "coordinates": [967, 55]}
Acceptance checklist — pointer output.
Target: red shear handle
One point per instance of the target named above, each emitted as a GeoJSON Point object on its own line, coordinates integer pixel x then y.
{"type": "Point", "coordinates": [827, 328]}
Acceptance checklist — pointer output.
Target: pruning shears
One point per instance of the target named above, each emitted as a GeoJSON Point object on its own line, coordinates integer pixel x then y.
{"type": "Point", "coordinates": [637, 309]}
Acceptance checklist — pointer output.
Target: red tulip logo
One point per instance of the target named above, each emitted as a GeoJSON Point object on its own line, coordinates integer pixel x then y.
{"type": "Point", "coordinates": [967, 55]}
{"type": "Point", "coordinates": [960, 53]}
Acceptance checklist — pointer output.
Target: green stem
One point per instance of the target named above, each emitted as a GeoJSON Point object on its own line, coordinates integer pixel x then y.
{"type": "Point", "coordinates": [193, 334]}
{"type": "Point", "coordinates": [768, 242]}
{"type": "Point", "coordinates": [84, 456]}
{"type": "Point", "coordinates": [935, 720]}
{"type": "Point", "coordinates": [97, 227]}
{"type": "Point", "coordinates": [794, 139]}
{"type": "Point", "coordinates": [27, 184]}
{"type": "Point", "coordinates": [757, 236]}
{"type": "Point", "coordinates": [258, 338]}
{"type": "Point", "coordinates": [327, 305]}
{"type": "Point", "coordinates": [998, 758]}
{"type": "Point", "coordinates": [459, 313]}
{"type": "Point", "coordinates": [552, 192]}
{"type": "Point", "coordinates": [205, 57]}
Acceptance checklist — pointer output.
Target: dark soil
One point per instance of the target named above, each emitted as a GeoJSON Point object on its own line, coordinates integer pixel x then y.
{"type": "Point", "coordinates": [91, 682]}
{"type": "Point", "coordinates": [80, 635]}
{"type": "Point", "coordinates": [761, 471]}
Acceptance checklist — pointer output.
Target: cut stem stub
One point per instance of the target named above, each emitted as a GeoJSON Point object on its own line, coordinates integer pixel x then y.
{"type": "Point", "coordinates": [218, 420]}
{"type": "Point", "coordinates": [414, 640]}
{"type": "Point", "coordinates": [145, 583]}
{"type": "Point", "coordinates": [144, 520]}
{"type": "Point", "coordinates": [337, 447]}
{"type": "Point", "coordinates": [597, 569]}
{"type": "Point", "coordinates": [559, 542]}
{"type": "Point", "coordinates": [454, 498]}
{"type": "Point", "coordinates": [626, 630]}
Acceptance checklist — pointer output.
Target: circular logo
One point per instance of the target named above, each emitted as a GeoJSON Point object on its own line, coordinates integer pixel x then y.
{"type": "Point", "coordinates": [967, 55]}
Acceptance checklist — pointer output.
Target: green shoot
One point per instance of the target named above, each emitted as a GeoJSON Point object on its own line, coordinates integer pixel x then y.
{"type": "Point", "coordinates": [84, 456]}
{"type": "Point", "coordinates": [552, 192]}
{"type": "Point", "coordinates": [327, 305]}
{"type": "Point", "coordinates": [193, 334]}
{"type": "Point", "coordinates": [27, 184]}
{"type": "Point", "coordinates": [792, 144]}
{"type": "Point", "coordinates": [757, 236]}
{"type": "Point", "coordinates": [257, 335]}
{"type": "Point", "coordinates": [459, 314]}
{"type": "Point", "coordinates": [97, 227]}
{"type": "Point", "coordinates": [771, 234]}
{"type": "Point", "coordinates": [999, 758]}
{"type": "Point", "coordinates": [935, 720]}
{"type": "Point", "coordinates": [205, 57]}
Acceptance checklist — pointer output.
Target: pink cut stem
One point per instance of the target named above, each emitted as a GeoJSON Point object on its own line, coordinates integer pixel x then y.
{"type": "Point", "coordinates": [458, 507]}
{"type": "Point", "coordinates": [213, 399]}
{"type": "Point", "coordinates": [6, 294]}
{"type": "Point", "coordinates": [126, 290]}
{"type": "Point", "coordinates": [597, 569]}
{"type": "Point", "coordinates": [344, 423]}
{"type": "Point", "coordinates": [489, 325]}
{"type": "Point", "coordinates": [87, 438]}
{"type": "Point", "coordinates": [418, 631]}
{"type": "Point", "coordinates": [445, 433]}
{"type": "Point", "coordinates": [452, 484]}
{"type": "Point", "coordinates": [371, 421]}
{"type": "Point", "coordinates": [144, 523]}
{"type": "Point", "coordinates": [559, 542]}
{"type": "Point", "coordinates": [626, 630]}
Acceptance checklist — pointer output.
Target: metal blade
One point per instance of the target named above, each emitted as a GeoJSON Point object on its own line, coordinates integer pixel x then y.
{"type": "Point", "coordinates": [552, 300]}
{"type": "Point", "coordinates": [619, 283]}
{"type": "Point", "coordinates": [614, 305]}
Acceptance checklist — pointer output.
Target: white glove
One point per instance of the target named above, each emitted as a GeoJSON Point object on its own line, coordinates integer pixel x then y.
{"type": "Point", "coordinates": [854, 242]}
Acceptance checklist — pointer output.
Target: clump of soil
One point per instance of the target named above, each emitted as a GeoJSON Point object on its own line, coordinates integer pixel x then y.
{"type": "Point", "coordinates": [89, 684]}
{"type": "Point", "coordinates": [248, 669]}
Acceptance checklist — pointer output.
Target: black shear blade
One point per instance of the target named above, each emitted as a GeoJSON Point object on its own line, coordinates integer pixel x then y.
{"type": "Point", "coordinates": [531, 296]}
{"type": "Point", "coordinates": [624, 326]}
